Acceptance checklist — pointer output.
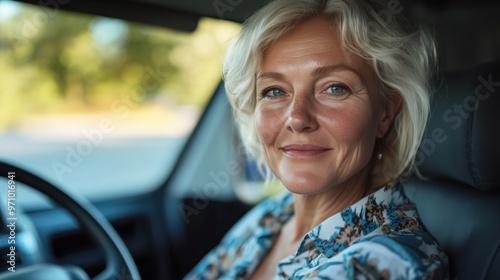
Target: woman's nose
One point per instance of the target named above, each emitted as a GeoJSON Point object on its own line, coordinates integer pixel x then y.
{"type": "Point", "coordinates": [301, 115]}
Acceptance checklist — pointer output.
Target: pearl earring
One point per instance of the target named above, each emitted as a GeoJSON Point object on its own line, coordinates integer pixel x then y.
{"type": "Point", "coordinates": [380, 156]}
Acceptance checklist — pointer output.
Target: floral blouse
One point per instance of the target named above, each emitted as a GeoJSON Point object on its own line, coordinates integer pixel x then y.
{"type": "Point", "coordinates": [379, 237]}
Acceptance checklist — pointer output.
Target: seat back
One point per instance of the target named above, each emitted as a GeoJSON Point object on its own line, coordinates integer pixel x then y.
{"type": "Point", "coordinates": [459, 201]}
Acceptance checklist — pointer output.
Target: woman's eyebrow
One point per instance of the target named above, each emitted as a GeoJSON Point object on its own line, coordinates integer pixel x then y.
{"type": "Point", "coordinates": [334, 68]}
{"type": "Point", "coordinates": [317, 72]}
{"type": "Point", "coordinates": [271, 75]}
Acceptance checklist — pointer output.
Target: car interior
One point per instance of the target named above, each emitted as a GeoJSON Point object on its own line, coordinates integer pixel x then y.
{"type": "Point", "coordinates": [160, 229]}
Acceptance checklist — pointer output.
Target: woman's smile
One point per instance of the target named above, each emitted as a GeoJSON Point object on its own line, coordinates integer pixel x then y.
{"type": "Point", "coordinates": [303, 150]}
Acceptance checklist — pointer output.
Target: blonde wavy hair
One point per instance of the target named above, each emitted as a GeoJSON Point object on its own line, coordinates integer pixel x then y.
{"type": "Point", "coordinates": [403, 61]}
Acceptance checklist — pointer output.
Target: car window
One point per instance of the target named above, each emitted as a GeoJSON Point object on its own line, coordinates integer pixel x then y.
{"type": "Point", "coordinates": [102, 106]}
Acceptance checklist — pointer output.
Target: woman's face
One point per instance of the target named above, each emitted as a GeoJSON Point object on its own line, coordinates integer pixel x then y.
{"type": "Point", "coordinates": [318, 112]}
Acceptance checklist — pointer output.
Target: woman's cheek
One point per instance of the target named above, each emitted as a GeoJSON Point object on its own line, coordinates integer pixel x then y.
{"type": "Point", "coordinates": [355, 124]}
{"type": "Point", "coordinates": [268, 124]}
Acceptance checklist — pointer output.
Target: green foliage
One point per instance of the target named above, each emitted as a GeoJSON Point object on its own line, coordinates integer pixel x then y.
{"type": "Point", "coordinates": [54, 61]}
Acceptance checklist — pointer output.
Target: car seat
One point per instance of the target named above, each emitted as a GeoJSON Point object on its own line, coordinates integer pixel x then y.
{"type": "Point", "coordinates": [458, 198]}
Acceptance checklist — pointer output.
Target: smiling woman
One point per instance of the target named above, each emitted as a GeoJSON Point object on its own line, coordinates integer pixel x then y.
{"type": "Point", "coordinates": [319, 87]}
{"type": "Point", "coordinates": [333, 102]}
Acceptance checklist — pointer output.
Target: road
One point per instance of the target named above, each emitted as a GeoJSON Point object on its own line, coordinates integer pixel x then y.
{"type": "Point", "coordinates": [110, 168]}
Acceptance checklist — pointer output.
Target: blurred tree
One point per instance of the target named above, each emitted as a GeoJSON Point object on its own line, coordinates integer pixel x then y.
{"type": "Point", "coordinates": [63, 47]}
{"type": "Point", "coordinates": [67, 62]}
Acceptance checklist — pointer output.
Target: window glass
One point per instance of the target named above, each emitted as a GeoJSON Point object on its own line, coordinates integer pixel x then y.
{"type": "Point", "coordinates": [101, 106]}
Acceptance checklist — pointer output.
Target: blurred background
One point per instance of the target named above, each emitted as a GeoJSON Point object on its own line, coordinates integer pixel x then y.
{"type": "Point", "coordinates": [82, 94]}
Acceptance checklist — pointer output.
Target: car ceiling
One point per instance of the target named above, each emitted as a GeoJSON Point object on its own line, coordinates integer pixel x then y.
{"type": "Point", "coordinates": [234, 10]}
{"type": "Point", "coordinates": [467, 32]}
{"type": "Point", "coordinates": [169, 13]}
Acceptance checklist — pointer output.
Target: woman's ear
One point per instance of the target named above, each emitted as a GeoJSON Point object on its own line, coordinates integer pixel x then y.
{"type": "Point", "coordinates": [390, 108]}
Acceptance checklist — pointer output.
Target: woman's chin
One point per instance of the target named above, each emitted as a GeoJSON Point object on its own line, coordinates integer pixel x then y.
{"type": "Point", "coordinates": [305, 184]}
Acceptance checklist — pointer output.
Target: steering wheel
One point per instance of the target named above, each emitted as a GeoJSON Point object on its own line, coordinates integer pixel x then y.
{"type": "Point", "coordinates": [119, 262]}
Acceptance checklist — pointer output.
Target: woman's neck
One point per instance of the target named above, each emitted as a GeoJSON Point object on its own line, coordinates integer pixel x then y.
{"type": "Point", "coordinates": [311, 210]}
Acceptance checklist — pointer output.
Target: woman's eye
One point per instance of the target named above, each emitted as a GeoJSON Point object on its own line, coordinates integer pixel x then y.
{"type": "Point", "coordinates": [273, 92]}
{"type": "Point", "coordinates": [338, 90]}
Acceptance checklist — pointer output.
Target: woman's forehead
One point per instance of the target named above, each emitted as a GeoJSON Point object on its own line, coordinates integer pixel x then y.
{"type": "Point", "coordinates": [312, 45]}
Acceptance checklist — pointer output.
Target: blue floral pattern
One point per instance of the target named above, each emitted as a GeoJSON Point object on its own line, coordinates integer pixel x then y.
{"type": "Point", "coordinates": [379, 237]}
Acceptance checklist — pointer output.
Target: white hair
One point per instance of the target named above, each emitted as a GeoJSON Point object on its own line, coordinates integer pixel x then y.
{"type": "Point", "coordinates": [402, 60]}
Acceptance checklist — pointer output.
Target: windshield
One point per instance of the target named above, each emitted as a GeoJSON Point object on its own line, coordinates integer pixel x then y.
{"type": "Point", "coordinates": [101, 106]}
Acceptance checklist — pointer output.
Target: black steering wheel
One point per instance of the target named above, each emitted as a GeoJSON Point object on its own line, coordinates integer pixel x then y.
{"type": "Point", "coordinates": [119, 262]}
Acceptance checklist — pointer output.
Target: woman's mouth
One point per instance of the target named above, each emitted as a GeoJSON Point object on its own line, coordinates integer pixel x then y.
{"type": "Point", "coordinates": [303, 150]}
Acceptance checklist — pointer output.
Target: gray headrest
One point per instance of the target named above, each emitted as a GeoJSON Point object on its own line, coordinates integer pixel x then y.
{"type": "Point", "coordinates": [462, 140]}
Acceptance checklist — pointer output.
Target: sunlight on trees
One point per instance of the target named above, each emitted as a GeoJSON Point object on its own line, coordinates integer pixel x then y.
{"type": "Point", "coordinates": [75, 64]}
